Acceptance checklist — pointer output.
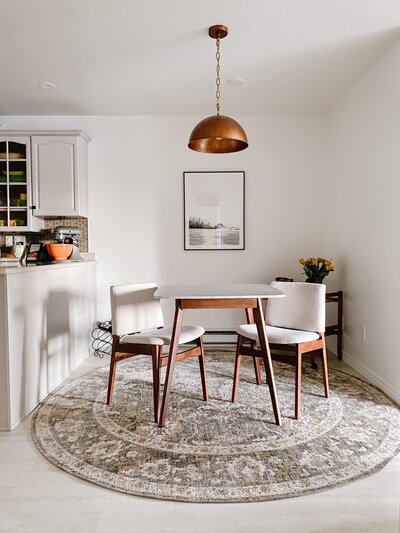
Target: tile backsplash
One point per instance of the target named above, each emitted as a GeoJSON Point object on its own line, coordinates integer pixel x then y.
{"type": "Point", "coordinates": [51, 223]}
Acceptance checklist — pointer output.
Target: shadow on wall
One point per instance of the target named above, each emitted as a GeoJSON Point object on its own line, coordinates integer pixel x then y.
{"type": "Point", "coordinates": [42, 369]}
{"type": "Point", "coordinates": [65, 335]}
{"type": "Point", "coordinates": [52, 343]}
{"type": "Point", "coordinates": [55, 352]}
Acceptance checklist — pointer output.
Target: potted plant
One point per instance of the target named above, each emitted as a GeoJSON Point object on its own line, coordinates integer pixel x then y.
{"type": "Point", "coordinates": [316, 269]}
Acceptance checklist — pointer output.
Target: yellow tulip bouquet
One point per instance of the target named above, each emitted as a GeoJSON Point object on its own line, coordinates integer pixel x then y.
{"type": "Point", "coordinates": [316, 269]}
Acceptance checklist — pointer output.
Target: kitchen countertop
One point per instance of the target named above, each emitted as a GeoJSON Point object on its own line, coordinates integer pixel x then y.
{"type": "Point", "coordinates": [52, 266]}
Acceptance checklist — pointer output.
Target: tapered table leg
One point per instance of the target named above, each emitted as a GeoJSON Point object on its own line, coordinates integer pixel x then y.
{"type": "Point", "coordinates": [176, 333]}
{"type": "Point", "coordinates": [260, 322]}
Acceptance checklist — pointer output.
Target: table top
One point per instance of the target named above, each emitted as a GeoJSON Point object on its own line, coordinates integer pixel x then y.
{"type": "Point", "coordinates": [221, 290]}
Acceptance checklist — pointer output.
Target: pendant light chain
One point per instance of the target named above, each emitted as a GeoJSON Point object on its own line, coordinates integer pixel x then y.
{"type": "Point", "coordinates": [218, 81]}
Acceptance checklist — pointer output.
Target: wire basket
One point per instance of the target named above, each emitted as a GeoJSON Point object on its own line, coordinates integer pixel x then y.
{"type": "Point", "coordinates": [102, 339]}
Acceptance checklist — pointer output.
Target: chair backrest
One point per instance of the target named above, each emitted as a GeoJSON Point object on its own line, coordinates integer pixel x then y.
{"type": "Point", "coordinates": [302, 308]}
{"type": "Point", "coordinates": [134, 308]}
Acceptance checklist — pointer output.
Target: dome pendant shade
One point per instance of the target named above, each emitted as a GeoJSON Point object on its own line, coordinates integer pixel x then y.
{"type": "Point", "coordinates": [218, 134]}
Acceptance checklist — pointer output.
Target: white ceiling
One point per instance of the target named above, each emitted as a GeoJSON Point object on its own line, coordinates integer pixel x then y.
{"type": "Point", "coordinates": [127, 57]}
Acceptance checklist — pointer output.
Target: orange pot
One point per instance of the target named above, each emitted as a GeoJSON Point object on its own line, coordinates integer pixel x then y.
{"type": "Point", "coordinates": [59, 251]}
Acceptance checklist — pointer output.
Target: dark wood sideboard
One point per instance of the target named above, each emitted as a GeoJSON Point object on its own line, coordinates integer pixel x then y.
{"type": "Point", "coordinates": [336, 329]}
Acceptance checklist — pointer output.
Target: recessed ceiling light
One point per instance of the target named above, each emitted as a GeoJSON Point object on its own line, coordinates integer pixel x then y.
{"type": "Point", "coordinates": [46, 85]}
{"type": "Point", "coordinates": [236, 81]}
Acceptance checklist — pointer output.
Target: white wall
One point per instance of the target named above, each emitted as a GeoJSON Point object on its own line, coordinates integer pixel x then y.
{"type": "Point", "coordinates": [363, 218]}
{"type": "Point", "coordinates": [136, 211]}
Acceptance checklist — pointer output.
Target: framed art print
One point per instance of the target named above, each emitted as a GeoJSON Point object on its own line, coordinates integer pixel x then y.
{"type": "Point", "coordinates": [213, 210]}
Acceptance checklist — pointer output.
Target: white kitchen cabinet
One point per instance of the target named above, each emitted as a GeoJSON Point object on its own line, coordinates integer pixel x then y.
{"type": "Point", "coordinates": [16, 185]}
{"type": "Point", "coordinates": [59, 175]}
{"type": "Point", "coordinates": [42, 174]}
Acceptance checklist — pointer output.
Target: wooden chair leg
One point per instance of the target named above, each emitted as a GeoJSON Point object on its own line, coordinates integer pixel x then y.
{"type": "Point", "coordinates": [313, 363]}
{"type": "Point", "coordinates": [155, 356]}
{"type": "Point", "coordinates": [253, 344]}
{"type": "Point", "coordinates": [113, 367]}
{"type": "Point", "coordinates": [160, 366]}
{"type": "Point", "coordinates": [325, 367]}
{"type": "Point", "coordinates": [257, 367]}
{"type": "Point", "coordinates": [237, 368]}
{"type": "Point", "coordinates": [298, 383]}
{"type": "Point", "coordinates": [111, 378]}
{"type": "Point", "coordinates": [202, 363]}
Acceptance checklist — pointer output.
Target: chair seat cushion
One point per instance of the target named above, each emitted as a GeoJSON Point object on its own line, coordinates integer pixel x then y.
{"type": "Point", "coordinates": [163, 336]}
{"type": "Point", "coordinates": [278, 335]}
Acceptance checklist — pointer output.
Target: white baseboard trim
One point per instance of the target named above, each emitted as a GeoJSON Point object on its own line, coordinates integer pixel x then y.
{"type": "Point", "coordinates": [223, 336]}
{"type": "Point", "coordinates": [372, 377]}
{"type": "Point", "coordinates": [331, 345]}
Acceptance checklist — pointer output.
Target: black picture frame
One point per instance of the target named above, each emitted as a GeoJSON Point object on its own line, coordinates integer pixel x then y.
{"type": "Point", "coordinates": [214, 210]}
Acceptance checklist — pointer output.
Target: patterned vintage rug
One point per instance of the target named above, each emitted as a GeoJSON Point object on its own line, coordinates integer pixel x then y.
{"type": "Point", "coordinates": [217, 451]}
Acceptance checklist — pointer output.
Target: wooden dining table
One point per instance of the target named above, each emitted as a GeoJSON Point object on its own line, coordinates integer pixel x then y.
{"type": "Point", "coordinates": [220, 296]}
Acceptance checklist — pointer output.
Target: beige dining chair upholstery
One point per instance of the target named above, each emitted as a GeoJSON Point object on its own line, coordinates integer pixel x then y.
{"type": "Point", "coordinates": [138, 328]}
{"type": "Point", "coordinates": [295, 325]}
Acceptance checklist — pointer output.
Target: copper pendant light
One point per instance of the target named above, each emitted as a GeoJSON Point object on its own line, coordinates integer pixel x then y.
{"type": "Point", "coordinates": [218, 134]}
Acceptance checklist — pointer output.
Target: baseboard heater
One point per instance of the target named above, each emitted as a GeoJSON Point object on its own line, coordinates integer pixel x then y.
{"type": "Point", "coordinates": [220, 336]}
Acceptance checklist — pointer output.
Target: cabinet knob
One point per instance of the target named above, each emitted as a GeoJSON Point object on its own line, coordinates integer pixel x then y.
{"type": "Point", "coordinates": [33, 206]}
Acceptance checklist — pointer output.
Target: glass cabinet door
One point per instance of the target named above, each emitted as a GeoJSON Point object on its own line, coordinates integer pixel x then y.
{"type": "Point", "coordinates": [14, 184]}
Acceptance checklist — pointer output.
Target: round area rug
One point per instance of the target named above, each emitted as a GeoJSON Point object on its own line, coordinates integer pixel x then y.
{"type": "Point", "coordinates": [217, 451]}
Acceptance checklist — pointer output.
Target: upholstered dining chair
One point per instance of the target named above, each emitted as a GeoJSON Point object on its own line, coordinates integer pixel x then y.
{"type": "Point", "coordinates": [138, 328]}
{"type": "Point", "coordinates": [295, 325]}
